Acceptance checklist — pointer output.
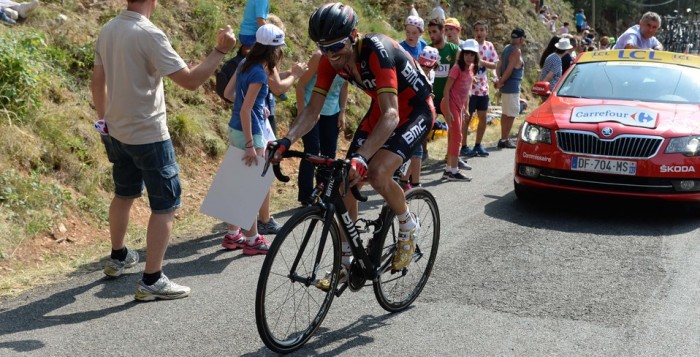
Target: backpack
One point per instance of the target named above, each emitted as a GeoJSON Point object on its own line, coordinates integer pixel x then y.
{"type": "Point", "coordinates": [224, 75]}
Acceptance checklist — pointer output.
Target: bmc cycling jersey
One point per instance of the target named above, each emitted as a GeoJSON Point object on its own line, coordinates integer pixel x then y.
{"type": "Point", "coordinates": [384, 67]}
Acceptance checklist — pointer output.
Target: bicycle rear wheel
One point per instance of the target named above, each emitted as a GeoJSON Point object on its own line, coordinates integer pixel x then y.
{"type": "Point", "coordinates": [289, 310]}
{"type": "Point", "coordinates": [396, 291]}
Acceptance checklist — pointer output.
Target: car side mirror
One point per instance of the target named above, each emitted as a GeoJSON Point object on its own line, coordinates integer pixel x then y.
{"type": "Point", "coordinates": [541, 88]}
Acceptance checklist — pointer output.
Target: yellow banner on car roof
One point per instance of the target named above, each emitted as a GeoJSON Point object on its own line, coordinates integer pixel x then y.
{"type": "Point", "coordinates": [641, 56]}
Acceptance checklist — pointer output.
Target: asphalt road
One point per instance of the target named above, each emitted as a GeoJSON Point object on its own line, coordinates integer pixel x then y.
{"type": "Point", "coordinates": [570, 276]}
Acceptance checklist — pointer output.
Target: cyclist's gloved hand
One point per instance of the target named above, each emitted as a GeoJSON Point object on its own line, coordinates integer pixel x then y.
{"type": "Point", "coordinates": [358, 163]}
{"type": "Point", "coordinates": [277, 148]}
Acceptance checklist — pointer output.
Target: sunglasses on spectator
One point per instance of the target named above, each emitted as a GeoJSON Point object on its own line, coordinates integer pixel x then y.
{"type": "Point", "coordinates": [333, 47]}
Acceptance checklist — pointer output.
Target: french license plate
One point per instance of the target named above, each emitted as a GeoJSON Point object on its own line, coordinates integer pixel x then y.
{"type": "Point", "coordinates": [618, 167]}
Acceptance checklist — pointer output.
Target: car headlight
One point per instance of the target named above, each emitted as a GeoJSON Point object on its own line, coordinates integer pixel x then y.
{"type": "Point", "coordinates": [533, 134]}
{"type": "Point", "coordinates": [687, 145]}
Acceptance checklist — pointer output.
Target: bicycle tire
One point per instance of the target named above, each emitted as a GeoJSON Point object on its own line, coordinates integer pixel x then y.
{"type": "Point", "coordinates": [397, 291]}
{"type": "Point", "coordinates": [287, 312]}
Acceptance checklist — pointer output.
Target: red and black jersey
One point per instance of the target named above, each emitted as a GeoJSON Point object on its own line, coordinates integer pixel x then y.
{"type": "Point", "coordinates": [384, 67]}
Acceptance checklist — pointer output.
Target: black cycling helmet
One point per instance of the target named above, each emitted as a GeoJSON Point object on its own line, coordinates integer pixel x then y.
{"type": "Point", "coordinates": [332, 21]}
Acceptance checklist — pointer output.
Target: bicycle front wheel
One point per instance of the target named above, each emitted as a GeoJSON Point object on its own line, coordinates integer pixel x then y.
{"type": "Point", "coordinates": [288, 306]}
{"type": "Point", "coordinates": [396, 291]}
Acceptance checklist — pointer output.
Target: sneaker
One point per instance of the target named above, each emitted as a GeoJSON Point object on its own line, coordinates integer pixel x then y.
{"type": "Point", "coordinates": [232, 242]}
{"type": "Point", "coordinates": [463, 164]}
{"type": "Point", "coordinates": [445, 175]}
{"type": "Point", "coordinates": [260, 246]}
{"type": "Point", "coordinates": [164, 289]}
{"type": "Point", "coordinates": [403, 255]}
{"type": "Point", "coordinates": [480, 151]}
{"type": "Point", "coordinates": [505, 144]}
{"type": "Point", "coordinates": [115, 267]}
{"type": "Point", "coordinates": [458, 177]}
{"type": "Point", "coordinates": [271, 227]}
{"type": "Point", "coordinates": [325, 282]}
{"type": "Point", "coordinates": [466, 152]}
{"type": "Point", "coordinates": [7, 20]}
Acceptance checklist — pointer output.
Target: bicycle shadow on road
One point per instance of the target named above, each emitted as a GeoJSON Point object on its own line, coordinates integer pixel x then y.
{"type": "Point", "coordinates": [348, 337]}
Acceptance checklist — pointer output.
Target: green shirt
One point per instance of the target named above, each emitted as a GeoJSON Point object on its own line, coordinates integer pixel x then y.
{"type": "Point", "coordinates": [448, 57]}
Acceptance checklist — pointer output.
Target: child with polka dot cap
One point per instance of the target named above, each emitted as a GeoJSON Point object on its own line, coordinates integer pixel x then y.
{"type": "Point", "coordinates": [414, 43]}
{"type": "Point", "coordinates": [428, 60]}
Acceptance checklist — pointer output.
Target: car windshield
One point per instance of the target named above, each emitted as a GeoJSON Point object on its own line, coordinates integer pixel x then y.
{"type": "Point", "coordinates": [639, 81]}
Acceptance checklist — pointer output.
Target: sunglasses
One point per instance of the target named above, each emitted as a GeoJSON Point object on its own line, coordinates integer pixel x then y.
{"type": "Point", "coordinates": [333, 47]}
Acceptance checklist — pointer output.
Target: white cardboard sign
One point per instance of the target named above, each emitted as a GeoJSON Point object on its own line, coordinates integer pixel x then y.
{"type": "Point", "coordinates": [238, 190]}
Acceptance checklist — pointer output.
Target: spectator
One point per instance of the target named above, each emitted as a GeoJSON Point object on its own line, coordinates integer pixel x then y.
{"type": "Point", "coordinates": [448, 55]}
{"type": "Point", "coordinates": [132, 103]}
{"type": "Point", "coordinates": [604, 43]}
{"type": "Point", "coordinates": [642, 35]}
{"type": "Point", "coordinates": [568, 56]}
{"type": "Point", "coordinates": [429, 61]}
{"type": "Point", "coordinates": [323, 137]}
{"type": "Point", "coordinates": [564, 29]}
{"type": "Point", "coordinates": [543, 16]}
{"type": "Point", "coordinates": [548, 50]}
{"type": "Point", "coordinates": [580, 21]}
{"type": "Point", "coordinates": [510, 72]}
{"type": "Point", "coordinates": [552, 23]}
{"type": "Point", "coordinates": [479, 99]}
{"type": "Point", "coordinates": [439, 11]}
{"type": "Point", "coordinates": [456, 97]}
{"type": "Point", "coordinates": [552, 70]}
{"type": "Point", "coordinates": [254, 15]}
{"type": "Point", "coordinates": [248, 90]}
{"type": "Point", "coordinates": [414, 43]}
{"type": "Point", "coordinates": [452, 30]}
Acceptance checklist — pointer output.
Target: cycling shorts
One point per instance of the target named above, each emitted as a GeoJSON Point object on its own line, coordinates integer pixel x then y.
{"type": "Point", "coordinates": [405, 138]}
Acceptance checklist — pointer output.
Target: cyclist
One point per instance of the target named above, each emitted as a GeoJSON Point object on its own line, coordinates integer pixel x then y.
{"type": "Point", "coordinates": [398, 120]}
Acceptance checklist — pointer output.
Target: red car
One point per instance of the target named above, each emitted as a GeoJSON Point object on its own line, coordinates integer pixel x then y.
{"type": "Point", "coordinates": [619, 122]}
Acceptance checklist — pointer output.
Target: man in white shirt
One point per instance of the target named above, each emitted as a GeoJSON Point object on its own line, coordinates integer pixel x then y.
{"type": "Point", "coordinates": [642, 35]}
{"type": "Point", "coordinates": [439, 11]}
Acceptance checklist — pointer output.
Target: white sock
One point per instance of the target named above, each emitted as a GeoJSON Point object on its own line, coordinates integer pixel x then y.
{"type": "Point", "coordinates": [251, 240]}
{"type": "Point", "coordinates": [448, 169]}
{"type": "Point", "coordinates": [406, 222]}
{"type": "Point", "coordinates": [347, 254]}
{"type": "Point", "coordinates": [234, 233]}
{"type": "Point", "coordinates": [455, 170]}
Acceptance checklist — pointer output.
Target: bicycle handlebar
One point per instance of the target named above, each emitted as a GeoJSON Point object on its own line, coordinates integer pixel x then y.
{"type": "Point", "coordinates": [314, 159]}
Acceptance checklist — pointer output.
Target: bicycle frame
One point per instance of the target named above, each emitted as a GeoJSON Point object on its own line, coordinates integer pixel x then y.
{"type": "Point", "coordinates": [330, 200]}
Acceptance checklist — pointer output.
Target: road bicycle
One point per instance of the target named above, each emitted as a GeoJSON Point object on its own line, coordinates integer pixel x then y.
{"type": "Point", "coordinates": [289, 307]}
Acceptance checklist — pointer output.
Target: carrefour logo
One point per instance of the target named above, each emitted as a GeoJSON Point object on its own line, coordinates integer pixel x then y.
{"type": "Point", "coordinates": [622, 114]}
{"type": "Point", "coordinates": [643, 117]}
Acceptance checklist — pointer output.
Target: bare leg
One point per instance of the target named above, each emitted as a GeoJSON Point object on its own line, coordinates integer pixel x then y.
{"type": "Point", "coordinates": [506, 125]}
{"type": "Point", "coordinates": [481, 129]}
{"type": "Point", "coordinates": [160, 226]}
{"type": "Point", "coordinates": [381, 169]}
{"type": "Point", "coordinates": [119, 220]}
